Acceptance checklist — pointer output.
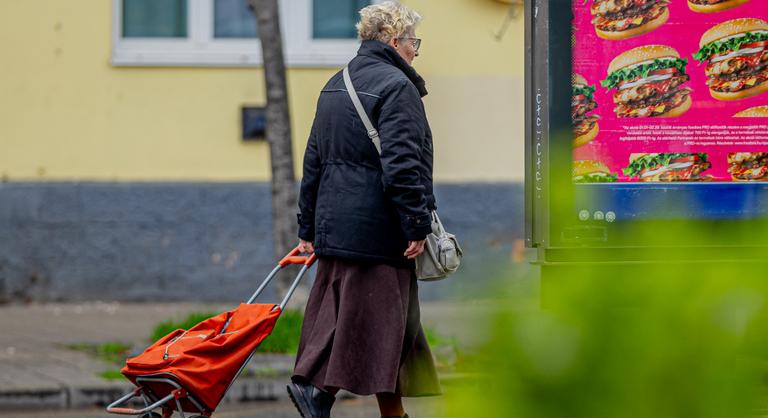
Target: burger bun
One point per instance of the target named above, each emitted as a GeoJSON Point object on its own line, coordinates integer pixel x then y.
{"type": "Point", "coordinates": [741, 94]}
{"type": "Point", "coordinates": [753, 112]}
{"type": "Point", "coordinates": [764, 178]}
{"type": "Point", "coordinates": [631, 33]}
{"type": "Point", "coordinates": [713, 8]}
{"type": "Point", "coordinates": [578, 80]}
{"type": "Point", "coordinates": [732, 27]}
{"type": "Point", "coordinates": [677, 111]}
{"type": "Point", "coordinates": [584, 167]}
{"type": "Point", "coordinates": [640, 54]}
{"type": "Point", "coordinates": [586, 137]}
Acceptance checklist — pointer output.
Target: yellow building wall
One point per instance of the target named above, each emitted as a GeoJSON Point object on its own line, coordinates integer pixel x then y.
{"type": "Point", "coordinates": [66, 113]}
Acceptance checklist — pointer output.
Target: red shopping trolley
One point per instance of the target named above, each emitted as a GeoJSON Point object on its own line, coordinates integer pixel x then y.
{"type": "Point", "coordinates": [190, 371]}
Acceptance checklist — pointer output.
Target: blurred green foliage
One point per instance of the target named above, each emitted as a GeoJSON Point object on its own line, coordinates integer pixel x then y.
{"type": "Point", "coordinates": [685, 340]}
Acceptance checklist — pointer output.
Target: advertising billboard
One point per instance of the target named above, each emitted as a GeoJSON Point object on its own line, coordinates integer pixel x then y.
{"type": "Point", "coordinates": [644, 112]}
{"type": "Point", "coordinates": [670, 91]}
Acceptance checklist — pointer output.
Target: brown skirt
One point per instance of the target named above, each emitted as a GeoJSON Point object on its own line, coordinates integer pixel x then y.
{"type": "Point", "coordinates": [362, 331]}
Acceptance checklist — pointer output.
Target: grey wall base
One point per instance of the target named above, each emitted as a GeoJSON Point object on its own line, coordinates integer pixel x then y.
{"type": "Point", "coordinates": [189, 241]}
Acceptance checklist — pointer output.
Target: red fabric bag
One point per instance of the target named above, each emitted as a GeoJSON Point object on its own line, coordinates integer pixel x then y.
{"type": "Point", "coordinates": [202, 359]}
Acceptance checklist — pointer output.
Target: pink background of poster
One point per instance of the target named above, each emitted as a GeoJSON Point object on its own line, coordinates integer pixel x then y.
{"type": "Point", "coordinates": [683, 30]}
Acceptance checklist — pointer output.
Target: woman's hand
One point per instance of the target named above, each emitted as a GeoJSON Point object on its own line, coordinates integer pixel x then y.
{"type": "Point", "coordinates": [415, 248]}
{"type": "Point", "coordinates": [306, 247]}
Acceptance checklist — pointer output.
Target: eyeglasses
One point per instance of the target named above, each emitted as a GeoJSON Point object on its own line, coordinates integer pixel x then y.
{"type": "Point", "coordinates": [415, 42]}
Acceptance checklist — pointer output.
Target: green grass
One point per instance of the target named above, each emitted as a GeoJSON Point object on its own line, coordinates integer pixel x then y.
{"type": "Point", "coordinates": [112, 374]}
{"type": "Point", "coordinates": [284, 339]}
{"type": "Point", "coordinates": [164, 328]}
{"type": "Point", "coordinates": [285, 336]}
{"type": "Point", "coordinates": [111, 352]}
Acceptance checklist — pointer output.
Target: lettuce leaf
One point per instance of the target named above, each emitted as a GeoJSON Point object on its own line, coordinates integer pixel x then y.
{"type": "Point", "coordinates": [651, 161]}
{"type": "Point", "coordinates": [592, 178]}
{"type": "Point", "coordinates": [587, 91]}
{"type": "Point", "coordinates": [733, 44]}
{"type": "Point", "coordinates": [626, 74]}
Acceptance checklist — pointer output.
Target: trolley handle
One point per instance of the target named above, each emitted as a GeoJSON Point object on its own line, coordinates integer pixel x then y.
{"type": "Point", "coordinates": [294, 258]}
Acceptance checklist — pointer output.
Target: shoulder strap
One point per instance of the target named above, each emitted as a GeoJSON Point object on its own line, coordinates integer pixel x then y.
{"type": "Point", "coordinates": [372, 132]}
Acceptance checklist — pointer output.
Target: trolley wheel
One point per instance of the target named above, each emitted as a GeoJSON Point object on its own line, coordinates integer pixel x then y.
{"type": "Point", "coordinates": [150, 415]}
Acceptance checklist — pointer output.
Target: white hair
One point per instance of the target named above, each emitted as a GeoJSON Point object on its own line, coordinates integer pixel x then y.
{"type": "Point", "coordinates": [385, 21]}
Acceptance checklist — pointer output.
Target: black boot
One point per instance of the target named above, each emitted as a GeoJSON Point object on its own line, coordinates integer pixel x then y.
{"type": "Point", "coordinates": [310, 401]}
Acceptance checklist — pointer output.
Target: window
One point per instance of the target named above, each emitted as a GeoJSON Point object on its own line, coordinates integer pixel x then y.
{"type": "Point", "coordinates": [335, 19]}
{"type": "Point", "coordinates": [154, 18]}
{"type": "Point", "coordinates": [232, 19]}
{"type": "Point", "coordinates": [223, 32]}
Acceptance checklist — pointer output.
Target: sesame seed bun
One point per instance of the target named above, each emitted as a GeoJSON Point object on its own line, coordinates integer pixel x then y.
{"type": "Point", "coordinates": [640, 54]}
{"type": "Point", "coordinates": [679, 110]}
{"type": "Point", "coordinates": [631, 33]}
{"type": "Point", "coordinates": [713, 8]}
{"type": "Point", "coordinates": [730, 28]}
{"type": "Point", "coordinates": [578, 79]}
{"type": "Point", "coordinates": [587, 137]}
{"type": "Point", "coordinates": [584, 167]}
{"type": "Point", "coordinates": [753, 112]}
{"type": "Point", "coordinates": [741, 94]}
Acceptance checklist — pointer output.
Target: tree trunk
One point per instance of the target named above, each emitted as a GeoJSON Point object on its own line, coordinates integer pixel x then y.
{"type": "Point", "coordinates": [278, 134]}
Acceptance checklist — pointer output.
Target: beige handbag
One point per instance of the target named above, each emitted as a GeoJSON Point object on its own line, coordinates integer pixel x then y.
{"type": "Point", "coordinates": [441, 256]}
{"type": "Point", "coordinates": [442, 253]}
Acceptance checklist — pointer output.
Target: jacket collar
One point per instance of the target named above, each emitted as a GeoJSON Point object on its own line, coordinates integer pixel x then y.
{"type": "Point", "coordinates": [383, 52]}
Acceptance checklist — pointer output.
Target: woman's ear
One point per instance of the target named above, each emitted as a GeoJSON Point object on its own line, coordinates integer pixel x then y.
{"type": "Point", "coordinates": [394, 42]}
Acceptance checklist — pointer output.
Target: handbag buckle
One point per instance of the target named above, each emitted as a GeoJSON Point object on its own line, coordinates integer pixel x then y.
{"type": "Point", "coordinates": [373, 133]}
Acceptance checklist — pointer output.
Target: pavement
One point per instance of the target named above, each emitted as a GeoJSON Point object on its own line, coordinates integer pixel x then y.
{"type": "Point", "coordinates": [343, 408]}
{"type": "Point", "coordinates": [40, 372]}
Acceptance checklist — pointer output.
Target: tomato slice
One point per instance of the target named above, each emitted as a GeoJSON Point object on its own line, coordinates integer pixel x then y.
{"type": "Point", "coordinates": [752, 60]}
{"type": "Point", "coordinates": [755, 45]}
{"type": "Point", "coordinates": [579, 97]}
{"type": "Point", "coordinates": [664, 71]}
{"type": "Point", "coordinates": [661, 87]}
{"type": "Point", "coordinates": [687, 159]}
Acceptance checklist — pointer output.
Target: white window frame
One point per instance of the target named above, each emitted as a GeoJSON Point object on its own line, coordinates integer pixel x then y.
{"type": "Point", "coordinates": [200, 48]}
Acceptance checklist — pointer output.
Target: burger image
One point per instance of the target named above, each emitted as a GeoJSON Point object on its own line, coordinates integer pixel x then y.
{"type": "Point", "coordinates": [668, 167]}
{"type": "Point", "coordinates": [712, 6]}
{"type": "Point", "coordinates": [648, 82]}
{"type": "Point", "coordinates": [748, 166]}
{"type": "Point", "coordinates": [585, 127]}
{"type": "Point", "coordinates": [753, 112]}
{"type": "Point", "coordinates": [592, 171]}
{"type": "Point", "coordinates": [622, 19]}
{"type": "Point", "coordinates": [736, 57]}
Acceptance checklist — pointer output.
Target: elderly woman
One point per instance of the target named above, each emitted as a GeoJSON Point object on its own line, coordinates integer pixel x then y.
{"type": "Point", "coordinates": [366, 216]}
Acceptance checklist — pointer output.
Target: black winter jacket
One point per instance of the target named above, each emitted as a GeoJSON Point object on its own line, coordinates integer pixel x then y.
{"type": "Point", "coordinates": [353, 203]}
